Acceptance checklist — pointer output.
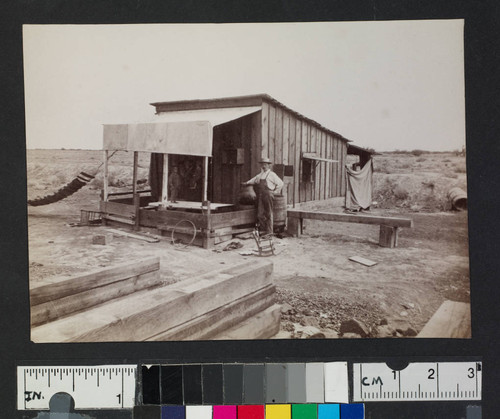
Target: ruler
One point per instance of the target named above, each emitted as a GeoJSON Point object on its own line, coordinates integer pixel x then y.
{"type": "Point", "coordinates": [419, 381]}
{"type": "Point", "coordinates": [92, 387]}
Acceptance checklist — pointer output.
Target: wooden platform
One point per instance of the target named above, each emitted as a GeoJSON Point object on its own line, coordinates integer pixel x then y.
{"type": "Point", "coordinates": [191, 205]}
{"type": "Point", "coordinates": [212, 227]}
{"type": "Point", "coordinates": [451, 320]}
{"type": "Point", "coordinates": [201, 307]}
{"type": "Point", "coordinates": [389, 226]}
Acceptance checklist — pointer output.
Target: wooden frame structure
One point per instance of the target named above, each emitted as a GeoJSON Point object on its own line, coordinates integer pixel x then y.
{"type": "Point", "coordinates": [231, 135]}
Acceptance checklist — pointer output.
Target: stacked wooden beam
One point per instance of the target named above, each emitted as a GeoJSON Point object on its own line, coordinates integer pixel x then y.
{"type": "Point", "coordinates": [63, 297]}
{"type": "Point", "coordinates": [231, 303]}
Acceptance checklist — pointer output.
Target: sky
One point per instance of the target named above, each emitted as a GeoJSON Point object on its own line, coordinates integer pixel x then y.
{"type": "Point", "coordinates": [383, 85]}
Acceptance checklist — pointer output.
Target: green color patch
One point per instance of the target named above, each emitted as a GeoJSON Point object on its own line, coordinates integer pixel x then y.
{"type": "Point", "coordinates": [304, 411]}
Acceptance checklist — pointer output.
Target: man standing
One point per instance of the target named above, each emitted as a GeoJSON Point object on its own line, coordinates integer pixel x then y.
{"type": "Point", "coordinates": [268, 184]}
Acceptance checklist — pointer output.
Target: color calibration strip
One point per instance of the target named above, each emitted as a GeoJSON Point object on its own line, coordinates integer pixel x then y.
{"type": "Point", "coordinates": [247, 391]}
{"type": "Point", "coordinates": [245, 384]}
{"type": "Point", "coordinates": [273, 411]}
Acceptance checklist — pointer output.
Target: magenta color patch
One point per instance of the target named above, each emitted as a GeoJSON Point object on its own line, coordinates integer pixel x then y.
{"type": "Point", "coordinates": [224, 412]}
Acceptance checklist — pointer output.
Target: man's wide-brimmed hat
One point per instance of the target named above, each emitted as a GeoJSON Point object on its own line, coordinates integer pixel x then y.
{"type": "Point", "coordinates": [265, 160]}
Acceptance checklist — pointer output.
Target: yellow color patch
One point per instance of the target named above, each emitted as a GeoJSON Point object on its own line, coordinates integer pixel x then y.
{"type": "Point", "coordinates": [278, 411]}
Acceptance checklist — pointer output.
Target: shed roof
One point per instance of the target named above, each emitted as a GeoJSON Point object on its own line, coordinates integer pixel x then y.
{"type": "Point", "coordinates": [354, 149]}
{"type": "Point", "coordinates": [236, 101]}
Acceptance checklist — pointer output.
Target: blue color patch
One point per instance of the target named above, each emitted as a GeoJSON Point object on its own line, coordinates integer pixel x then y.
{"type": "Point", "coordinates": [173, 412]}
{"type": "Point", "coordinates": [352, 411]}
{"type": "Point", "coordinates": [328, 411]}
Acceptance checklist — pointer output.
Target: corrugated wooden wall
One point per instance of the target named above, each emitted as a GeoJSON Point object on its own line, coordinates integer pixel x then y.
{"type": "Point", "coordinates": [285, 137]}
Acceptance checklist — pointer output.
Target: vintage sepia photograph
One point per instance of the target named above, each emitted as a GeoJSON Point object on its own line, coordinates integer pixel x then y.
{"type": "Point", "coordinates": [247, 181]}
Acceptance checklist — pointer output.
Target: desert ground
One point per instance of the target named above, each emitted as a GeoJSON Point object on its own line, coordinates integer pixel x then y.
{"type": "Point", "coordinates": [318, 286]}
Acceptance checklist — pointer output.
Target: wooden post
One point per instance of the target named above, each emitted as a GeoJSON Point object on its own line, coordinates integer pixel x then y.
{"type": "Point", "coordinates": [105, 177]}
{"type": "Point", "coordinates": [135, 195]}
{"type": "Point", "coordinates": [208, 239]}
{"type": "Point", "coordinates": [293, 226]}
{"type": "Point", "coordinates": [205, 179]}
{"type": "Point", "coordinates": [164, 185]}
{"type": "Point", "coordinates": [105, 183]}
{"type": "Point", "coordinates": [388, 236]}
{"type": "Point", "coordinates": [346, 188]}
{"type": "Point", "coordinates": [299, 180]}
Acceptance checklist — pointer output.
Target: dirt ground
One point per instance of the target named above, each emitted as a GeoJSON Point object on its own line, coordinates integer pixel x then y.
{"type": "Point", "coordinates": [318, 286]}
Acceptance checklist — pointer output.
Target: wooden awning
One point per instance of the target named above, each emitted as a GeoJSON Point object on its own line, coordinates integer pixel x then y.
{"type": "Point", "coordinates": [186, 132]}
{"type": "Point", "coordinates": [190, 138]}
{"type": "Point", "coordinates": [313, 156]}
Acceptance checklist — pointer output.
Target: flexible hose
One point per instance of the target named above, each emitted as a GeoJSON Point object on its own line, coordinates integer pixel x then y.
{"type": "Point", "coordinates": [69, 189]}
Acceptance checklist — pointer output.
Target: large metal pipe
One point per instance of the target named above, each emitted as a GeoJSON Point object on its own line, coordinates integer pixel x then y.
{"type": "Point", "coordinates": [458, 199]}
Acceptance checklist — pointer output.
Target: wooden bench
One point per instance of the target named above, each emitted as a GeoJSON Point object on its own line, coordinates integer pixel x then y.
{"type": "Point", "coordinates": [389, 226]}
{"type": "Point", "coordinates": [451, 320]}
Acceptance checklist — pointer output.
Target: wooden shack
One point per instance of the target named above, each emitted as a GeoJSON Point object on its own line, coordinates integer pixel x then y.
{"type": "Point", "coordinates": [219, 143]}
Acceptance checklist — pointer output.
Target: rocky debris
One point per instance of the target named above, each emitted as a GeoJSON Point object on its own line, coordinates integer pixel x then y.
{"type": "Point", "coordinates": [307, 315]}
{"type": "Point", "coordinates": [354, 326]}
{"type": "Point", "coordinates": [310, 321]}
{"type": "Point", "coordinates": [383, 331]}
{"type": "Point", "coordinates": [316, 336]}
{"type": "Point", "coordinates": [393, 327]}
{"type": "Point", "coordinates": [330, 334]}
{"type": "Point", "coordinates": [325, 312]}
{"type": "Point", "coordinates": [298, 331]}
{"type": "Point", "coordinates": [410, 331]}
{"type": "Point", "coordinates": [351, 336]}
{"type": "Point", "coordinates": [308, 332]}
{"type": "Point", "coordinates": [286, 308]}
